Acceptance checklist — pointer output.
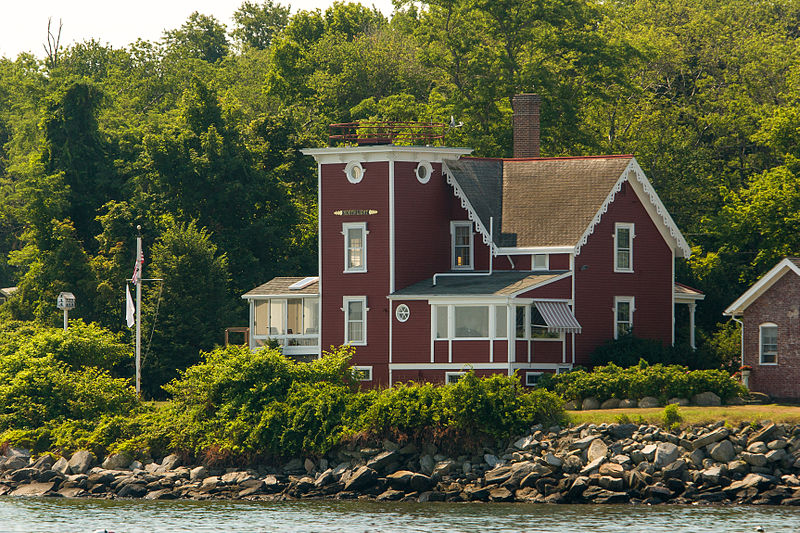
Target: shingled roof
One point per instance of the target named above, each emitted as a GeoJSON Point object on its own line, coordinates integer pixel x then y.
{"type": "Point", "coordinates": [539, 202]}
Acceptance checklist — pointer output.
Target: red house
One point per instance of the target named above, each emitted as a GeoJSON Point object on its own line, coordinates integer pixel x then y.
{"type": "Point", "coordinates": [432, 262]}
{"type": "Point", "coordinates": [770, 316]}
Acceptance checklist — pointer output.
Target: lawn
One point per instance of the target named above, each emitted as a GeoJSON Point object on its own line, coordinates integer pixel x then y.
{"type": "Point", "coordinates": [733, 415]}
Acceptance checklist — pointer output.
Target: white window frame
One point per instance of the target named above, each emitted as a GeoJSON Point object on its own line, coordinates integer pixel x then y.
{"type": "Point", "coordinates": [366, 369]}
{"type": "Point", "coordinates": [461, 224]}
{"type": "Point", "coordinates": [346, 227]}
{"type": "Point", "coordinates": [448, 375]}
{"type": "Point", "coordinates": [617, 301]}
{"type": "Point", "coordinates": [346, 309]}
{"type": "Point", "coordinates": [528, 375]}
{"type": "Point", "coordinates": [423, 172]}
{"type": "Point", "coordinates": [451, 321]}
{"type": "Point", "coordinates": [761, 352]}
{"type": "Point", "coordinates": [402, 313]}
{"type": "Point", "coordinates": [354, 171]}
{"type": "Point", "coordinates": [630, 227]}
{"type": "Point", "coordinates": [546, 262]}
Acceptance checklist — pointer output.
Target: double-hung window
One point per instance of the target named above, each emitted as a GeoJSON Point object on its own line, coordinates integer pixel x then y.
{"type": "Point", "coordinates": [623, 247]}
{"type": "Point", "coordinates": [355, 320]}
{"type": "Point", "coordinates": [768, 343]}
{"type": "Point", "coordinates": [462, 251]}
{"type": "Point", "coordinates": [623, 315]}
{"type": "Point", "coordinates": [355, 246]}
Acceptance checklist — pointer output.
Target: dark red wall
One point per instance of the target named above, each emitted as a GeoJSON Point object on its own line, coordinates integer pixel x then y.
{"type": "Point", "coordinates": [596, 283]}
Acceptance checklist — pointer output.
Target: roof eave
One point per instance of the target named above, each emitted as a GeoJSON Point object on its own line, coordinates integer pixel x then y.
{"type": "Point", "coordinates": [760, 287]}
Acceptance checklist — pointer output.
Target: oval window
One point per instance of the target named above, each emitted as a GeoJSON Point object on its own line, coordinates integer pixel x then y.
{"type": "Point", "coordinates": [424, 171]}
{"type": "Point", "coordinates": [354, 171]}
{"type": "Point", "coordinates": [402, 313]}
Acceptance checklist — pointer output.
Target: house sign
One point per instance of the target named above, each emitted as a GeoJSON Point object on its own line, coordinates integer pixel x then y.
{"type": "Point", "coordinates": [357, 212]}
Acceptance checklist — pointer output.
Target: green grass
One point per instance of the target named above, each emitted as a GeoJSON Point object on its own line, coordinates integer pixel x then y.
{"type": "Point", "coordinates": [733, 415]}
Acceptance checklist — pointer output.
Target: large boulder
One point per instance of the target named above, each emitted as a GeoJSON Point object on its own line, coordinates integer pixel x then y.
{"type": "Point", "coordinates": [596, 449]}
{"type": "Point", "coordinates": [170, 462]}
{"type": "Point", "coordinates": [362, 478]}
{"type": "Point", "coordinates": [666, 453]}
{"type": "Point", "coordinates": [648, 402]}
{"type": "Point", "coordinates": [611, 403]}
{"type": "Point", "coordinates": [706, 399]}
{"type": "Point", "coordinates": [117, 461]}
{"type": "Point", "coordinates": [722, 451]}
{"type": "Point", "coordinates": [33, 489]}
{"type": "Point", "coordinates": [383, 459]}
{"type": "Point", "coordinates": [61, 466]}
{"type": "Point", "coordinates": [81, 461]}
{"type": "Point", "coordinates": [590, 403]}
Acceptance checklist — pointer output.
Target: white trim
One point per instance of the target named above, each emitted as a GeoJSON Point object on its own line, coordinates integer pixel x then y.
{"type": "Point", "coordinates": [277, 295]}
{"type": "Point", "coordinates": [761, 286]}
{"type": "Point", "coordinates": [427, 167]}
{"type": "Point", "coordinates": [542, 284]}
{"type": "Point", "coordinates": [617, 300]}
{"type": "Point", "coordinates": [454, 225]}
{"type": "Point", "coordinates": [384, 152]}
{"type": "Point", "coordinates": [471, 213]}
{"type": "Point", "coordinates": [319, 251]}
{"type": "Point", "coordinates": [510, 250]}
{"type": "Point", "coordinates": [546, 262]}
{"type": "Point", "coordinates": [391, 227]}
{"type": "Point", "coordinates": [631, 234]}
{"type": "Point", "coordinates": [367, 369]}
{"type": "Point", "coordinates": [345, 308]}
{"type": "Point", "coordinates": [346, 227]}
{"type": "Point", "coordinates": [652, 204]}
{"type": "Point", "coordinates": [761, 344]}
{"type": "Point", "coordinates": [674, 301]}
{"type": "Point", "coordinates": [350, 172]}
{"type": "Point", "coordinates": [448, 375]}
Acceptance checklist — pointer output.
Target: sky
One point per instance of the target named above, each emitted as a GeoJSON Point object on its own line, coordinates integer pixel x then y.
{"type": "Point", "coordinates": [23, 23]}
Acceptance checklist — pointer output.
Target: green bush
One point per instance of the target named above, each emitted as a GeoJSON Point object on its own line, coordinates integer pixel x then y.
{"type": "Point", "coordinates": [671, 418]}
{"type": "Point", "coordinates": [628, 350]}
{"type": "Point", "coordinates": [658, 380]}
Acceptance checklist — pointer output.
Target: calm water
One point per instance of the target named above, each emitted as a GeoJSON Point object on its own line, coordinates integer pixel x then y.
{"type": "Point", "coordinates": [85, 516]}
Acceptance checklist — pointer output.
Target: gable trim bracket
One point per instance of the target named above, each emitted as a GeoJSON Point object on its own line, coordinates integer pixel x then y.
{"type": "Point", "coordinates": [634, 174]}
{"type": "Point", "coordinates": [465, 203]}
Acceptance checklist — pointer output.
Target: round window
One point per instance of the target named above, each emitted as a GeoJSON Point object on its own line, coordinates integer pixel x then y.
{"type": "Point", "coordinates": [424, 171]}
{"type": "Point", "coordinates": [354, 171]}
{"type": "Point", "coordinates": [402, 313]}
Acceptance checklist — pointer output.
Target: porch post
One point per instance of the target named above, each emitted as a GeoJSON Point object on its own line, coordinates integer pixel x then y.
{"type": "Point", "coordinates": [692, 307]}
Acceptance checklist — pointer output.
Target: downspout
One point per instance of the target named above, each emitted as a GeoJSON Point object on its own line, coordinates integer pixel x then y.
{"type": "Point", "coordinates": [491, 256]}
{"type": "Point", "coordinates": [745, 382]}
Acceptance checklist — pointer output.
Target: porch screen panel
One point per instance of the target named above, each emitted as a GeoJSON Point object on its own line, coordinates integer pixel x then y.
{"type": "Point", "coordinates": [294, 317]}
{"type": "Point", "coordinates": [276, 320]}
{"type": "Point", "coordinates": [471, 321]}
{"type": "Point", "coordinates": [311, 316]}
{"type": "Point", "coordinates": [261, 317]}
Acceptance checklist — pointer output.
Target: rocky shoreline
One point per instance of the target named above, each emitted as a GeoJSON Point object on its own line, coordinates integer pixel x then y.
{"type": "Point", "coordinates": [607, 463]}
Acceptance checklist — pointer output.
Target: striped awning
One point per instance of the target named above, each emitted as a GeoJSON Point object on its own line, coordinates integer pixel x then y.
{"type": "Point", "coordinates": [558, 317]}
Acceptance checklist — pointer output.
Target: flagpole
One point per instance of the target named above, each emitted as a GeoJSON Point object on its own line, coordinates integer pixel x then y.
{"type": "Point", "coordinates": [139, 312]}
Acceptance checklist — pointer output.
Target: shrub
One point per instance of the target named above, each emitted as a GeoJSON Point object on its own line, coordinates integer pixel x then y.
{"type": "Point", "coordinates": [671, 417]}
{"type": "Point", "coordinates": [628, 350]}
{"type": "Point", "coordinates": [658, 380]}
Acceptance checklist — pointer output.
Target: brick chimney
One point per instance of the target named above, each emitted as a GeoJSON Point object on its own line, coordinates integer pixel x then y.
{"type": "Point", "coordinates": [526, 124]}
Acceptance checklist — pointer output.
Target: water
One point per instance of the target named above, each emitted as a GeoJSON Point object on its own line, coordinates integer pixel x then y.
{"type": "Point", "coordinates": [35, 515]}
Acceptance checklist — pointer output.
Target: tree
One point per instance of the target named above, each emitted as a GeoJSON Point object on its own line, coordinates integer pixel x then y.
{"type": "Point", "coordinates": [257, 24]}
{"type": "Point", "coordinates": [201, 37]}
{"type": "Point", "coordinates": [189, 312]}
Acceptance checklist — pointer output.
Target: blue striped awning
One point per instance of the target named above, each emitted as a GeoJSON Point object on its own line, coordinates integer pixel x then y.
{"type": "Point", "coordinates": [558, 317]}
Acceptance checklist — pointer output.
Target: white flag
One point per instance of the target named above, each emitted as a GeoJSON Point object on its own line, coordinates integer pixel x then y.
{"type": "Point", "coordinates": [129, 307]}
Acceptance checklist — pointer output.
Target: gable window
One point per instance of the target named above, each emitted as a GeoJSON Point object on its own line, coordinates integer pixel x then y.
{"type": "Point", "coordinates": [623, 247]}
{"type": "Point", "coordinates": [355, 320]}
{"type": "Point", "coordinates": [461, 236]}
{"type": "Point", "coordinates": [768, 343]}
{"type": "Point", "coordinates": [540, 262]}
{"type": "Point", "coordinates": [355, 246]}
{"type": "Point", "coordinates": [623, 315]}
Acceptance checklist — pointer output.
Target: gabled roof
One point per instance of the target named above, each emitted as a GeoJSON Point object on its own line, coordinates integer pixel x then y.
{"type": "Point", "coordinates": [7, 291]}
{"type": "Point", "coordinates": [502, 283]}
{"type": "Point", "coordinates": [281, 287]}
{"type": "Point", "coordinates": [551, 202]}
{"type": "Point", "coordinates": [789, 264]}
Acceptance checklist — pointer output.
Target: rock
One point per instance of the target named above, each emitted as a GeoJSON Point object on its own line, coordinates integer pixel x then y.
{"type": "Point", "coordinates": [590, 403]}
{"type": "Point", "coordinates": [611, 470]}
{"type": "Point", "coordinates": [759, 397]}
{"type": "Point", "coordinates": [622, 460]}
{"type": "Point", "coordinates": [476, 492]}
{"type": "Point", "coordinates": [759, 481]}
{"type": "Point", "coordinates": [421, 483]}
{"type": "Point", "coordinates": [383, 459]}
{"type": "Point", "coordinates": [709, 438]}
{"type": "Point", "coordinates": [572, 464]}
{"type": "Point", "coordinates": [399, 480]}
{"type": "Point", "coordinates": [236, 478]}
{"type": "Point", "coordinates": [390, 495]}
{"type": "Point", "coordinates": [426, 464]}
{"type": "Point", "coordinates": [170, 462]}
{"type": "Point", "coordinates": [722, 451]}
{"type": "Point", "coordinates": [362, 478]}
{"type": "Point", "coordinates": [773, 456]}
{"type": "Point", "coordinates": [713, 474]}
{"type": "Point", "coordinates": [658, 491]}
{"type": "Point", "coordinates": [765, 434]}
{"type": "Point", "coordinates": [161, 494]}
{"type": "Point", "coordinates": [611, 403]}
{"type": "Point", "coordinates": [696, 457]}
{"type": "Point", "coordinates": [777, 444]}
{"type": "Point", "coordinates": [649, 452]}
{"type": "Point", "coordinates": [622, 431]}
{"type": "Point", "coordinates": [15, 462]}
{"type": "Point", "coordinates": [45, 462]}
{"type": "Point", "coordinates": [552, 461]}
{"type": "Point", "coordinates": [734, 400]}
{"type": "Point", "coordinates": [198, 473]}
{"type": "Point", "coordinates": [758, 447]}
{"type": "Point", "coordinates": [325, 478]}
{"type": "Point", "coordinates": [580, 484]}
{"type": "Point", "coordinates": [592, 466]}
{"type": "Point", "coordinates": [683, 402]}
{"type": "Point", "coordinates": [738, 467]}
{"type": "Point", "coordinates": [500, 494]}
{"type": "Point", "coordinates": [497, 475]}
{"type": "Point", "coordinates": [293, 466]}
{"type": "Point", "coordinates": [443, 468]}
{"type": "Point", "coordinates": [674, 469]}
{"type": "Point", "coordinates": [117, 461]}
{"type": "Point", "coordinates": [583, 443]}
{"type": "Point", "coordinates": [754, 459]}
{"type": "Point", "coordinates": [309, 466]}
{"type": "Point", "coordinates": [596, 449]}
{"type": "Point", "coordinates": [627, 404]}
{"type": "Point", "coordinates": [431, 496]}
{"type": "Point", "coordinates": [33, 489]}
{"type": "Point", "coordinates": [72, 492]}
{"type": "Point", "coordinates": [81, 461]}
{"type": "Point", "coordinates": [706, 399]}
{"type": "Point", "coordinates": [526, 443]}
{"type": "Point", "coordinates": [648, 402]}
{"type": "Point", "coordinates": [491, 460]}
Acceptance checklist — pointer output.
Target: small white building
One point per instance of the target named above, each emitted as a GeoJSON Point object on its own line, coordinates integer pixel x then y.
{"type": "Point", "coordinates": [5, 293]}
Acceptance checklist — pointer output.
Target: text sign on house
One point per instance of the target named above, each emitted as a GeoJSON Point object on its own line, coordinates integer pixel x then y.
{"type": "Point", "coordinates": [356, 212]}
